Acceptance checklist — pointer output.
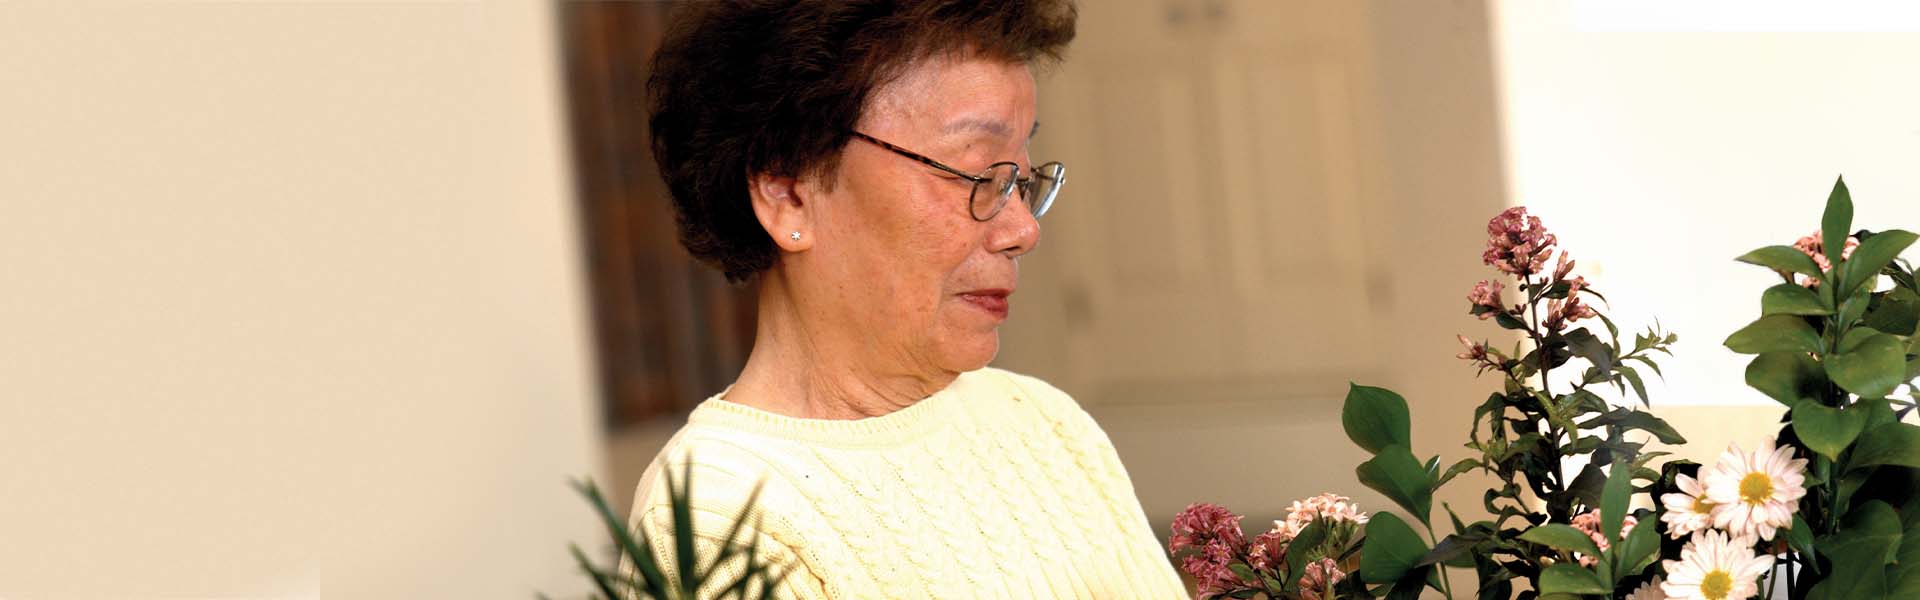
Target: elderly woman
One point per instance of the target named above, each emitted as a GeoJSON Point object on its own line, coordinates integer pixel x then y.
{"type": "Point", "coordinates": [867, 160]}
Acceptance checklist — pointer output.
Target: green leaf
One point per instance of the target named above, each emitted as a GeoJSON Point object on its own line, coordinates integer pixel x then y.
{"type": "Point", "coordinates": [1870, 534]}
{"type": "Point", "coordinates": [1243, 571]}
{"type": "Point", "coordinates": [1454, 550]}
{"type": "Point", "coordinates": [1375, 418]}
{"type": "Point", "coordinates": [1800, 537]}
{"type": "Point", "coordinates": [1835, 222]}
{"type": "Point", "coordinates": [1596, 351]}
{"type": "Point", "coordinates": [1854, 307]}
{"type": "Point", "coordinates": [1775, 333]}
{"type": "Point", "coordinates": [1392, 549]}
{"type": "Point", "coordinates": [1889, 444]}
{"type": "Point", "coordinates": [1561, 537]}
{"type": "Point", "coordinates": [682, 505]}
{"type": "Point", "coordinates": [1635, 553]}
{"type": "Point", "coordinates": [1791, 299]}
{"type": "Point", "coordinates": [1634, 419]}
{"type": "Point", "coordinates": [1613, 501]}
{"type": "Point", "coordinates": [1408, 588]}
{"type": "Point", "coordinates": [1897, 313]}
{"type": "Point", "coordinates": [1825, 429]}
{"type": "Point", "coordinates": [1870, 368]}
{"type": "Point", "coordinates": [1782, 258]}
{"type": "Point", "coordinates": [1395, 473]}
{"type": "Point", "coordinates": [1633, 378]}
{"type": "Point", "coordinates": [1786, 377]}
{"type": "Point", "coordinates": [600, 580]}
{"type": "Point", "coordinates": [1462, 466]}
{"type": "Point", "coordinates": [1588, 486]}
{"type": "Point", "coordinates": [1509, 322]}
{"type": "Point", "coordinates": [1565, 578]}
{"type": "Point", "coordinates": [1302, 545]}
{"type": "Point", "coordinates": [1873, 255]}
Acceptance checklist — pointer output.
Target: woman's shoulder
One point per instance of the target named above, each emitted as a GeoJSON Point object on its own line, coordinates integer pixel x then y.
{"type": "Point", "coordinates": [1044, 400]}
{"type": "Point", "coordinates": [726, 465]}
{"type": "Point", "coordinates": [1018, 387]}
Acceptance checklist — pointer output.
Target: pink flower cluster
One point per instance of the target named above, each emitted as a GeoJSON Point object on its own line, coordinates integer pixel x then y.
{"type": "Point", "coordinates": [1486, 294]}
{"type": "Point", "coordinates": [1561, 312]}
{"type": "Point", "coordinates": [1318, 582]}
{"type": "Point", "coordinates": [1333, 508]}
{"type": "Point", "coordinates": [1209, 535]}
{"type": "Point", "coordinates": [1812, 246]}
{"type": "Point", "coordinates": [1589, 522]}
{"type": "Point", "coordinates": [1214, 532]}
{"type": "Point", "coordinates": [1517, 244]}
{"type": "Point", "coordinates": [1480, 354]}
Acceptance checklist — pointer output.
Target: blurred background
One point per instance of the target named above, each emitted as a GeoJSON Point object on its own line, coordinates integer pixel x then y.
{"type": "Point", "coordinates": [331, 299]}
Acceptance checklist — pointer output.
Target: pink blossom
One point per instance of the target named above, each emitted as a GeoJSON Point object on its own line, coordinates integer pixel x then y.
{"type": "Point", "coordinates": [1334, 508]}
{"type": "Point", "coordinates": [1211, 571]}
{"type": "Point", "coordinates": [1487, 294]}
{"type": "Point", "coordinates": [1589, 522]}
{"type": "Point", "coordinates": [1812, 246]}
{"type": "Point", "coordinates": [1562, 312]}
{"type": "Point", "coordinates": [1517, 244]}
{"type": "Point", "coordinates": [1480, 354]}
{"type": "Point", "coordinates": [1320, 577]}
{"type": "Point", "coordinates": [1562, 267]}
{"type": "Point", "coordinates": [1476, 351]}
{"type": "Point", "coordinates": [1202, 523]}
{"type": "Point", "coordinates": [1267, 551]}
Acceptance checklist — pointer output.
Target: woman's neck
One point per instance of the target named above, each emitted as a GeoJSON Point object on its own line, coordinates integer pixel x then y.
{"type": "Point", "coordinates": [806, 367]}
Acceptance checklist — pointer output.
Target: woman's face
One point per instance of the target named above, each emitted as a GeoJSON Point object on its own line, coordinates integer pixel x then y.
{"type": "Point", "coordinates": [910, 267]}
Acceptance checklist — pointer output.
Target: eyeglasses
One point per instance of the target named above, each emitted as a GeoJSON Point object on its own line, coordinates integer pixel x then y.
{"type": "Point", "coordinates": [992, 187]}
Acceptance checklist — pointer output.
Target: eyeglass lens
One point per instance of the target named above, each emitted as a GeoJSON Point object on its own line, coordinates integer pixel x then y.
{"type": "Point", "coordinates": [1038, 189]}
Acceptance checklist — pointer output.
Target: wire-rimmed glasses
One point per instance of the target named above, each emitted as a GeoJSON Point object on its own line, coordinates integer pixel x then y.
{"type": "Point", "coordinates": [999, 180]}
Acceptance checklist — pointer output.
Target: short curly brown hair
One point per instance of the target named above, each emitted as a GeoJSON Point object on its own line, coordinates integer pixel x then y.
{"type": "Point", "coordinates": [745, 87]}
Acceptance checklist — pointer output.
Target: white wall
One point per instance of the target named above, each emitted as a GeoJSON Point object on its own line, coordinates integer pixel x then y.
{"type": "Point", "coordinates": [290, 303]}
{"type": "Point", "coordinates": [1663, 139]}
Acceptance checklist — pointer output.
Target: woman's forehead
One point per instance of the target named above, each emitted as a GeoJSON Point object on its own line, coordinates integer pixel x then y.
{"type": "Point", "coordinates": [955, 98]}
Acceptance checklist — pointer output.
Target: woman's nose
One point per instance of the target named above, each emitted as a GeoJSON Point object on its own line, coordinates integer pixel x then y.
{"type": "Point", "coordinates": [1015, 231]}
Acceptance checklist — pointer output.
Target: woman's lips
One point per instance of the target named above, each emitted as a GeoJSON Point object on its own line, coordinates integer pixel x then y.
{"type": "Point", "coordinates": [992, 301]}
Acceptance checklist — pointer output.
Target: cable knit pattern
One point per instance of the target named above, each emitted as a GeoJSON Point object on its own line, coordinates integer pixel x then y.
{"type": "Point", "coordinates": [999, 486]}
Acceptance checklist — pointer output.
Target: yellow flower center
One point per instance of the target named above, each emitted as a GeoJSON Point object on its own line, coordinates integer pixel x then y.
{"type": "Point", "coordinates": [1701, 506]}
{"type": "Point", "coordinates": [1716, 585]}
{"type": "Point", "coordinates": [1756, 488]}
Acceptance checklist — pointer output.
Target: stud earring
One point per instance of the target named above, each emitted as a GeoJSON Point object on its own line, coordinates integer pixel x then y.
{"type": "Point", "coordinates": [795, 236]}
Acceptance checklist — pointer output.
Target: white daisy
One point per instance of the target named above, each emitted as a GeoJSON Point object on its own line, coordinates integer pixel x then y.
{"type": "Point", "coordinates": [1688, 510]}
{"type": "Point", "coordinates": [1755, 494]}
{"type": "Point", "coordinates": [1648, 591]}
{"type": "Point", "coordinates": [1714, 567]}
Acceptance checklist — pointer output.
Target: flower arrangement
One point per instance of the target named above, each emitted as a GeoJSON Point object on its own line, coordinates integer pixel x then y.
{"type": "Point", "coordinates": [1835, 340]}
{"type": "Point", "coordinates": [1826, 509]}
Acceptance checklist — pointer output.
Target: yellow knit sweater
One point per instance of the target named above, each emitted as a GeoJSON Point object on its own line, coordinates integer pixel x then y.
{"type": "Point", "coordinates": [999, 486]}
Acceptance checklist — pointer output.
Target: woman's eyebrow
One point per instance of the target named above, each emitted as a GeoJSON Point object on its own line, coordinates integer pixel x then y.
{"type": "Point", "coordinates": [986, 125]}
{"type": "Point", "coordinates": [989, 126]}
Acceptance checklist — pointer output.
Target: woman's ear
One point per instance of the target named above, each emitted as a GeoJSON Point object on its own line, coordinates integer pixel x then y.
{"type": "Point", "coordinates": [784, 210]}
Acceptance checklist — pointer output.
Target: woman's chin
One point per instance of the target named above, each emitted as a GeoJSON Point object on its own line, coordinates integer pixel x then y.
{"type": "Point", "coordinates": [972, 350]}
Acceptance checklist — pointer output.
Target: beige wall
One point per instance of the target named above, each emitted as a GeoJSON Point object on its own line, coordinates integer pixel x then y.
{"type": "Point", "coordinates": [1428, 137]}
{"type": "Point", "coordinates": [1660, 144]}
{"type": "Point", "coordinates": [289, 303]}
